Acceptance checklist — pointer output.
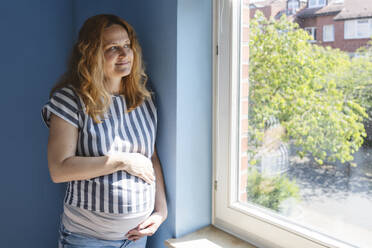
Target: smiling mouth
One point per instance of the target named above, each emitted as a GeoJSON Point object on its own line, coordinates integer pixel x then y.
{"type": "Point", "coordinates": [123, 63]}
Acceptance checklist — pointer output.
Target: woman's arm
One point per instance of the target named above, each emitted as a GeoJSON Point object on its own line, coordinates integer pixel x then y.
{"type": "Point", "coordinates": [160, 198]}
{"type": "Point", "coordinates": [65, 166]}
{"type": "Point", "coordinates": [151, 224]}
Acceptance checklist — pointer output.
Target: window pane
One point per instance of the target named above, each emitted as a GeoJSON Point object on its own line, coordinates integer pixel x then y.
{"type": "Point", "coordinates": [363, 28]}
{"type": "Point", "coordinates": [312, 32]}
{"type": "Point", "coordinates": [293, 6]}
{"type": "Point", "coordinates": [305, 132]}
{"type": "Point", "coordinates": [349, 29]}
{"type": "Point", "coordinates": [312, 3]}
{"type": "Point", "coordinates": [328, 34]}
{"type": "Point", "coordinates": [325, 33]}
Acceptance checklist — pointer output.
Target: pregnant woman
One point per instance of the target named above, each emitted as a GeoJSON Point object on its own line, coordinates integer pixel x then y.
{"type": "Point", "coordinates": [102, 131]}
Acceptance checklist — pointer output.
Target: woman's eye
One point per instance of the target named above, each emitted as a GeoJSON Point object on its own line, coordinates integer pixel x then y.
{"type": "Point", "coordinates": [112, 49]}
{"type": "Point", "coordinates": [127, 46]}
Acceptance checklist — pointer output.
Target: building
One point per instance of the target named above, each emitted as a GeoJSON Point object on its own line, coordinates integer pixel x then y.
{"type": "Point", "coordinates": [342, 24]}
{"type": "Point", "coordinates": [276, 8]}
{"type": "Point", "coordinates": [270, 8]}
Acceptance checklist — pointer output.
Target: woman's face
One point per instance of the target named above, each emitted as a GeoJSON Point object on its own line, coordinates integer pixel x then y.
{"type": "Point", "coordinates": [117, 52]}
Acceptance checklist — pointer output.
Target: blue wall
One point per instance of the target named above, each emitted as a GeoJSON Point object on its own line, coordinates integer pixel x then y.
{"type": "Point", "coordinates": [35, 41]}
{"type": "Point", "coordinates": [194, 115]}
{"type": "Point", "coordinates": [176, 41]}
{"type": "Point", "coordinates": [157, 31]}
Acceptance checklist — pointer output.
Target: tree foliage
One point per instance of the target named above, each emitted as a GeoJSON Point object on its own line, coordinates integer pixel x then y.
{"type": "Point", "coordinates": [295, 82]}
{"type": "Point", "coordinates": [270, 192]}
{"type": "Point", "coordinates": [355, 80]}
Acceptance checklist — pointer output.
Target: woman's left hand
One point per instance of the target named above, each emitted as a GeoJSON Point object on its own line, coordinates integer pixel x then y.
{"type": "Point", "coordinates": [152, 223]}
{"type": "Point", "coordinates": [146, 228]}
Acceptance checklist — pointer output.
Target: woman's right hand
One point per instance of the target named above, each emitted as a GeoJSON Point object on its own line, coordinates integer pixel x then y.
{"type": "Point", "coordinates": [137, 165]}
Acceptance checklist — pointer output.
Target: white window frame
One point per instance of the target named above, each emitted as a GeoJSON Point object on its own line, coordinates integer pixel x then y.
{"type": "Point", "coordinates": [294, 6]}
{"type": "Point", "coordinates": [353, 24]}
{"type": "Point", "coordinates": [312, 32]}
{"type": "Point", "coordinates": [318, 4]}
{"type": "Point", "coordinates": [257, 226]}
{"type": "Point", "coordinates": [332, 38]}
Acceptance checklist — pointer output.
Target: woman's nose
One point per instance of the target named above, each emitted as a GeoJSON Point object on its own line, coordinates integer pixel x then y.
{"type": "Point", "coordinates": [122, 53]}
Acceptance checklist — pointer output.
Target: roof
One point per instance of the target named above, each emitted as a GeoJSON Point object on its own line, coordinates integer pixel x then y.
{"type": "Point", "coordinates": [330, 9]}
{"type": "Point", "coordinates": [263, 3]}
{"type": "Point", "coordinates": [348, 9]}
{"type": "Point", "coordinates": [355, 9]}
{"type": "Point", "coordinates": [260, 3]}
{"type": "Point", "coordinates": [276, 6]}
{"type": "Point", "coordinates": [307, 13]}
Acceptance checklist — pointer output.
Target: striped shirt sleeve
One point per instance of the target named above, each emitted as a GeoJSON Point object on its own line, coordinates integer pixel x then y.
{"type": "Point", "coordinates": [63, 104]}
{"type": "Point", "coordinates": [152, 102]}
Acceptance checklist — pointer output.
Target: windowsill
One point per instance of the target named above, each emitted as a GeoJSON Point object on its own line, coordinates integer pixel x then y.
{"type": "Point", "coordinates": [316, 6]}
{"type": "Point", "coordinates": [208, 237]}
{"type": "Point", "coordinates": [357, 38]}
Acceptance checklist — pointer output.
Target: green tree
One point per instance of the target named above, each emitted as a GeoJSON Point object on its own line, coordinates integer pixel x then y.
{"type": "Point", "coordinates": [290, 80]}
{"type": "Point", "coordinates": [355, 81]}
{"type": "Point", "coordinates": [270, 192]}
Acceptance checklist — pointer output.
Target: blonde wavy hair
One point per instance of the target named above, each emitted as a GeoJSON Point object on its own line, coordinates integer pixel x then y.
{"type": "Point", "coordinates": [86, 74]}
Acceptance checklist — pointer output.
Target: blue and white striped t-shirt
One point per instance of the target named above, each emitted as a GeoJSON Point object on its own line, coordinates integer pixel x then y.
{"type": "Point", "coordinates": [120, 131]}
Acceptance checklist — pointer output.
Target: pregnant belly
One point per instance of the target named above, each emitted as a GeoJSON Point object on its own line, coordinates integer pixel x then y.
{"type": "Point", "coordinates": [100, 225]}
{"type": "Point", "coordinates": [119, 193]}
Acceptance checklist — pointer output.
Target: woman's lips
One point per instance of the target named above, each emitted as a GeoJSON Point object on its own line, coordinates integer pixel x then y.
{"type": "Point", "coordinates": [123, 63]}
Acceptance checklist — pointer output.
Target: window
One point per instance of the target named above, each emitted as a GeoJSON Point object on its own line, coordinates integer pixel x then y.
{"type": "Point", "coordinates": [316, 3]}
{"type": "Point", "coordinates": [349, 29]}
{"type": "Point", "coordinates": [328, 33]}
{"type": "Point", "coordinates": [293, 6]}
{"type": "Point", "coordinates": [362, 28]}
{"type": "Point", "coordinates": [278, 111]}
{"type": "Point", "coordinates": [312, 33]}
{"type": "Point", "coordinates": [358, 29]}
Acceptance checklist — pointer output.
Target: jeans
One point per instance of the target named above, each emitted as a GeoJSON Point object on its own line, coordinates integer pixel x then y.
{"type": "Point", "coordinates": [69, 239]}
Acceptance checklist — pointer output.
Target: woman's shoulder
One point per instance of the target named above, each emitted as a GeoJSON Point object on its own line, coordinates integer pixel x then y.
{"type": "Point", "coordinates": [69, 94]}
{"type": "Point", "coordinates": [68, 89]}
{"type": "Point", "coordinates": [150, 101]}
{"type": "Point", "coordinates": [65, 104]}
{"type": "Point", "coordinates": [149, 104]}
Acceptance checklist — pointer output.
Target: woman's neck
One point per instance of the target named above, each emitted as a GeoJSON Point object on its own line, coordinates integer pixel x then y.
{"type": "Point", "coordinates": [113, 86]}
